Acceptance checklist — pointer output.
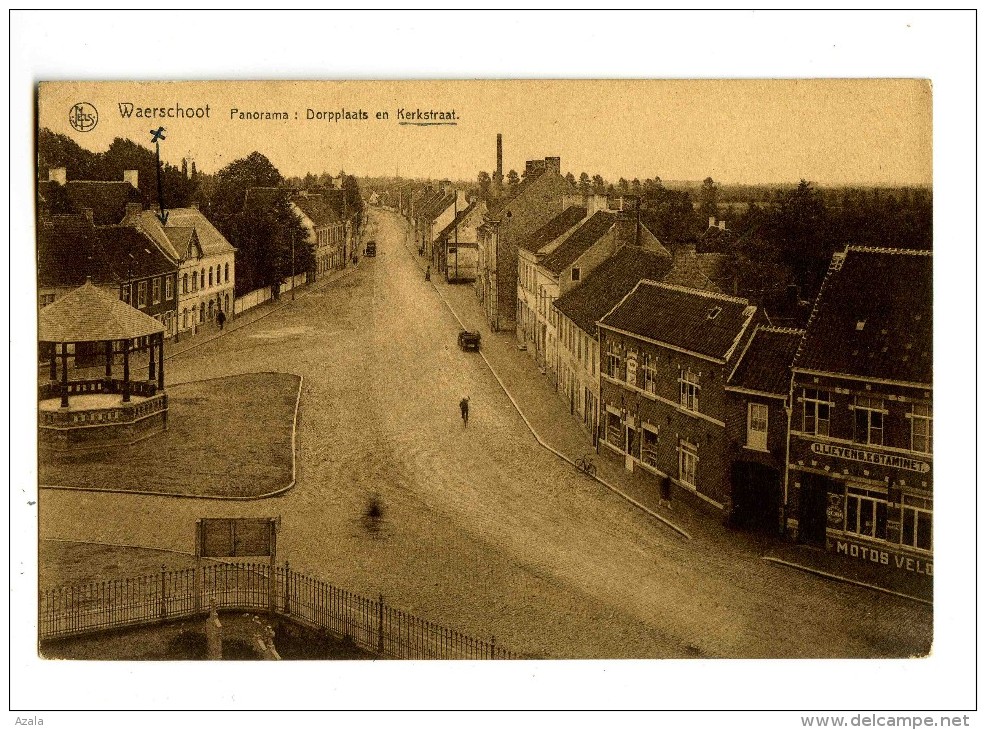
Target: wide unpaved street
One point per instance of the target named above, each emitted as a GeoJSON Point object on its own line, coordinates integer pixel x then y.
{"type": "Point", "coordinates": [485, 530]}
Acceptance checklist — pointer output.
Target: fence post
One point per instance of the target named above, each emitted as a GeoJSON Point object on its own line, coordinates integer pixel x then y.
{"type": "Point", "coordinates": [380, 625]}
{"type": "Point", "coordinates": [164, 604]}
{"type": "Point", "coordinates": [287, 587]}
{"type": "Point", "coordinates": [493, 647]}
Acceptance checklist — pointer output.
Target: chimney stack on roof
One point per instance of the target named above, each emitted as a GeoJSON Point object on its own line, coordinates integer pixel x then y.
{"type": "Point", "coordinates": [552, 164]}
{"type": "Point", "coordinates": [133, 210]}
{"type": "Point", "coordinates": [130, 176]}
{"type": "Point", "coordinates": [57, 175]}
{"type": "Point", "coordinates": [627, 224]}
{"type": "Point", "coordinates": [596, 203]}
{"type": "Point", "coordinates": [712, 221]}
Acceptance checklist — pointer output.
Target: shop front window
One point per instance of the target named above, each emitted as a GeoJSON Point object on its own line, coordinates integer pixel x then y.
{"type": "Point", "coordinates": [866, 513]}
{"type": "Point", "coordinates": [614, 428]}
{"type": "Point", "coordinates": [648, 446]}
{"type": "Point", "coordinates": [916, 522]}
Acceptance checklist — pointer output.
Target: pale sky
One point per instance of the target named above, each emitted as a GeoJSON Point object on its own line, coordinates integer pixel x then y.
{"type": "Point", "coordinates": [827, 131]}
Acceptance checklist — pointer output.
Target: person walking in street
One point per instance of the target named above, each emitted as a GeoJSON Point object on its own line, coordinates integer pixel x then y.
{"type": "Point", "coordinates": [221, 319]}
{"type": "Point", "coordinates": [464, 409]}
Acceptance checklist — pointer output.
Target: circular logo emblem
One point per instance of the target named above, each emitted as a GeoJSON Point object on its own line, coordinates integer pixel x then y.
{"type": "Point", "coordinates": [83, 117]}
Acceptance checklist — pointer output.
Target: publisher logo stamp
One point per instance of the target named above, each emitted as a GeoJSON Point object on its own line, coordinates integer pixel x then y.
{"type": "Point", "coordinates": [83, 117]}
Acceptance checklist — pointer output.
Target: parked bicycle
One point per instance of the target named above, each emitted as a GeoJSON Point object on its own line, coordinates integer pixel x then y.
{"type": "Point", "coordinates": [586, 465]}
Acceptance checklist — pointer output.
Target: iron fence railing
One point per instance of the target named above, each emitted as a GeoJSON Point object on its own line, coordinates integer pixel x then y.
{"type": "Point", "coordinates": [370, 623]}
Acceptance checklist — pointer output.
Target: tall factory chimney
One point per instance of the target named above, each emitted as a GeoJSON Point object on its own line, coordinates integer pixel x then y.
{"type": "Point", "coordinates": [498, 175]}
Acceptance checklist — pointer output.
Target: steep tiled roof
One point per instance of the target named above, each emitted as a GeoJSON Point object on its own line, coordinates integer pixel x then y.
{"type": "Point", "coordinates": [70, 248]}
{"type": "Point", "coordinates": [317, 209]}
{"type": "Point", "coordinates": [438, 205]}
{"type": "Point", "coordinates": [700, 322]}
{"type": "Point", "coordinates": [212, 242]}
{"type": "Point", "coordinates": [690, 274]}
{"type": "Point", "coordinates": [554, 228]}
{"type": "Point", "coordinates": [447, 230]}
{"type": "Point", "coordinates": [608, 284]}
{"type": "Point", "coordinates": [765, 364]}
{"type": "Point", "coordinates": [579, 241]}
{"type": "Point", "coordinates": [872, 317]}
{"type": "Point", "coordinates": [88, 314]}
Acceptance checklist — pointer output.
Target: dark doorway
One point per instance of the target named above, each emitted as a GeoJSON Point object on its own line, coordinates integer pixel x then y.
{"type": "Point", "coordinates": [813, 501]}
{"type": "Point", "coordinates": [756, 497]}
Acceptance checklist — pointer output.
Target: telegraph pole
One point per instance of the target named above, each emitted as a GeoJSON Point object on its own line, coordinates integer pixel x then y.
{"type": "Point", "coordinates": [292, 264]}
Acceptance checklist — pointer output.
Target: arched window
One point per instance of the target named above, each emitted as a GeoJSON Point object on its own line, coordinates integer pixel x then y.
{"type": "Point", "coordinates": [210, 276]}
{"type": "Point", "coordinates": [201, 312]}
{"type": "Point", "coordinates": [226, 308]}
{"type": "Point", "coordinates": [184, 284]}
{"type": "Point", "coordinates": [202, 277]}
{"type": "Point", "coordinates": [195, 280]}
{"type": "Point", "coordinates": [211, 305]}
{"type": "Point", "coordinates": [184, 318]}
{"type": "Point", "coordinates": [226, 270]}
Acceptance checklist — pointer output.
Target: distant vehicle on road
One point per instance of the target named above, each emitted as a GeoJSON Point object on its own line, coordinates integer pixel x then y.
{"type": "Point", "coordinates": [371, 248]}
{"type": "Point", "coordinates": [469, 340]}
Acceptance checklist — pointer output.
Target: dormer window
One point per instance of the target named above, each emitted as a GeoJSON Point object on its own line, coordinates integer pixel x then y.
{"type": "Point", "coordinates": [576, 274]}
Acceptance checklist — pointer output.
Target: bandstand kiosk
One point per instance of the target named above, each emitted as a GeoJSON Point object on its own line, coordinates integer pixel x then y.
{"type": "Point", "coordinates": [92, 334]}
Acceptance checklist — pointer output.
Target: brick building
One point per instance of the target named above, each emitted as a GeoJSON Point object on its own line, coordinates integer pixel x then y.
{"type": "Point", "coordinates": [756, 424]}
{"type": "Point", "coordinates": [576, 313]}
{"type": "Point", "coordinates": [510, 219]}
{"type": "Point", "coordinates": [118, 259]}
{"type": "Point", "coordinates": [859, 467]}
{"type": "Point", "coordinates": [665, 354]}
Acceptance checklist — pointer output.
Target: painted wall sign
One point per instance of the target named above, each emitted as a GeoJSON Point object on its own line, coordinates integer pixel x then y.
{"type": "Point", "coordinates": [871, 457]}
{"type": "Point", "coordinates": [883, 557]}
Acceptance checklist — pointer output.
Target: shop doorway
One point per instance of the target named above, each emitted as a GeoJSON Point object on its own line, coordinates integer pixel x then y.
{"type": "Point", "coordinates": [813, 502]}
{"type": "Point", "coordinates": [756, 497]}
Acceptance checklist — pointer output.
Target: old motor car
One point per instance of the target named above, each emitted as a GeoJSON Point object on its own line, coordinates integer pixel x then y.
{"type": "Point", "coordinates": [469, 340]}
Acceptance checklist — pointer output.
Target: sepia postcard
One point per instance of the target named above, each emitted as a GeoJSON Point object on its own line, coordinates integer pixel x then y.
{"type": "Point", "coordinates": [477, 370]}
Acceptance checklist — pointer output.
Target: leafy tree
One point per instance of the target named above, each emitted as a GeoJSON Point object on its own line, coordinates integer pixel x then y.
{"type": "Point", "coordinates": [623, 186]}
{"type": "Point", "coordinates": [124, 154]}
{"type": "Point", "coordinates": [232, 182]}
{"type": "Point", "coordinates": [57, 150]}
{"type": "Point", "coordinates": [709, 199]}
{"type": "Point", "coordinates": [585, 184]}
{"type": "Point", "coordinates": [485, 182]}
{"type": "Point", "coordinates": [570, 178]}
{"type": "Point", "coordinates": [635, 186]}
{"type": "Point", "coordinates": [513, 179]}
{"type": "Point", "coordinates": [800, 228]}
{"type": "Point", "coordinates": [598, 184]}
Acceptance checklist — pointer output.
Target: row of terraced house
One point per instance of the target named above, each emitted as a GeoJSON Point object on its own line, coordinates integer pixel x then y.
{"type": "Point", "coordinates": [821, 432]}
{"type": "Point", "coordinates": [181, 271]}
